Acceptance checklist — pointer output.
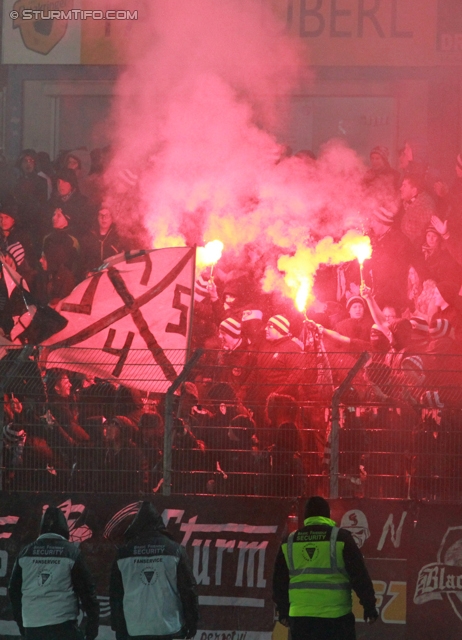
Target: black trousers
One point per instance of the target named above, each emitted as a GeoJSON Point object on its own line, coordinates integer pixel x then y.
{"type": "Point", "coordinates": [64, 631]}
{"type": "Point", "coordinates": [342, 628]}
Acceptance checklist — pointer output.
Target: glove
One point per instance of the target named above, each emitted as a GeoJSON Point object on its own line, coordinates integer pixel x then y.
{"type": "Point", "coordinates": [190, 632]}
{"type": "Point", "coordinates": [284, 620]}
{"type": "Point", "coordinates": [371, 615]}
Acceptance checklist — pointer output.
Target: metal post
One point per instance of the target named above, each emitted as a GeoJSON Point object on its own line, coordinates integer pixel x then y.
{"type": "Point", "coordinates": [2, 412]}
{"type": "Point", "coordinates": [168, 433]}
{"type": "Point", "coordinates": [23, 355]}
{"type": "Point", "coordinates": [334, 434]}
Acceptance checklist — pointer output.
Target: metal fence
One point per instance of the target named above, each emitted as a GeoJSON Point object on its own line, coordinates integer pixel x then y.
{"type": "Point", "coordinates": [233, 424]}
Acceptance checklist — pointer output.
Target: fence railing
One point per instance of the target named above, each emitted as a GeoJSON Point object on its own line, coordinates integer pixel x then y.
{"type": "Point", "coordinates": [232, 424]}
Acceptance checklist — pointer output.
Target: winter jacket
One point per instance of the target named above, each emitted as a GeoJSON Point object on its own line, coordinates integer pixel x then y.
{"type": "Point", "coordinates": [152, 587]}
{"type": "Point", "coordinates": [97, 248]}
{"type": "Point", "coordinates": [49, 578]}
{"type": "Point", "coordinates": [280, 368]}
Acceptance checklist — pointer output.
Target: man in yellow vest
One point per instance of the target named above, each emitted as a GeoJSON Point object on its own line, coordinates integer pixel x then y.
{"type": "Point", "coordinates": [316, 569]}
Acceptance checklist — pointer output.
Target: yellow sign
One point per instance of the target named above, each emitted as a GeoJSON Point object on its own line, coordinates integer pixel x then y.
{"type": "Point", "coordinates": [38, 32]}
{"type": "Point", "coordinates": [104, 41]}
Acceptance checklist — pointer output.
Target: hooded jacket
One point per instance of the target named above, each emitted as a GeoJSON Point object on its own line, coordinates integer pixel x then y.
{"type": "Point", "coordinates": [97, 248]}
{"type": "Point", "coordinates": [152, 587]}
{"type": "Point", "coordinates": [49, 578]}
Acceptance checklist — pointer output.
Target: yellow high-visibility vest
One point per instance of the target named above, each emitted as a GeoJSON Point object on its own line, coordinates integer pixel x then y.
{"type": "Point", "coordinates": [319, 585]}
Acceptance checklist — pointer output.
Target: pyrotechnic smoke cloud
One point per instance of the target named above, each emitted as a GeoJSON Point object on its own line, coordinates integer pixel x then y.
{"type": "Point", "coordinates": [194, 115]}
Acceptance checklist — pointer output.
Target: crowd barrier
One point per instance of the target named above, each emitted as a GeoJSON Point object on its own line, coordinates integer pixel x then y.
{"type": "Point", "coordinates": [355, 427]}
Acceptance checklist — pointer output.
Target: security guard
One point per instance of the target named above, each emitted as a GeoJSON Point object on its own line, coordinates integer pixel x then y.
{"type": "Point", "coordinates": [49, 579]}
{"type": "Point", "coordinates": [315, 571]}
{"type": "Point", "coordinates": [152, 588]}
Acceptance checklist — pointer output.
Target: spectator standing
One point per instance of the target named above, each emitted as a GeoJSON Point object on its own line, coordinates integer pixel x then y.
{"type": "Point", "coordinates": [155, 599]}
{"type": "Point", "coordinates": [359, 324]}
{"type": "Point", "coordinates": [15, 245]}
{"type": "Point", "coordinates": [45, 597]}
{"type": "Point", "coordinates": [31, 192]}
{"type": "Point", "coordinates": [61, 237]}
{"type": "Point", "coordinates": [392, 254]}
{"type": "Point", "coordinates": [316, 568]}
{"type": "Point", "coordinates": [73, 205]}
{"type": "Point", "coordinates": [280, 362]}
{"type": "Point", "coordinates": [381, 174]}
{"type": "Point", "coordinates": [234, 360]}
{"type": "Point", "coordinates": [79, 161]}
{"type": "Point", "coordinates": [418, 207]}
{"type": "Point", "coordinates": [101, 242]}
{"type": "Point", "coordinates": [437, 263]}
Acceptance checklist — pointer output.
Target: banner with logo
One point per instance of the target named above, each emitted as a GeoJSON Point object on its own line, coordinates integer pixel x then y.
{"type": "Point", "coordinates": [413, 552]}
{"type": "Point", "coordinates": [383, 530]}
{"type": "Point", "coordinates": [232, 544]}
{"type": "Point", "coordinates": [335, 32]}
{"type": "Point", "coordinates": [130, 320]}
{"type": "Point", "coordinates": [435, 574]}
{"type": "Point", "coordinates": [34, 40]}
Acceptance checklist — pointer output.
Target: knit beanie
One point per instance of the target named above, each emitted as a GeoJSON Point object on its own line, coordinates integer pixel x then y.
{"type": "Point", "coordinates": [281, 324]}
{"type": "Point", "coordinates": [384, 216]}
{"type": "Point", "coordinates": [413, 362]}
{"type": "Point", "coordinates": [231, 326]}
{"type": "Point", "coordinates": [252, 314]}
{"type": "Point", "coordinates": [381, 151]}
{"type": "Point", "coordinates": [432, 229]}
{"type": "Point", "coordinates": [353, 300]}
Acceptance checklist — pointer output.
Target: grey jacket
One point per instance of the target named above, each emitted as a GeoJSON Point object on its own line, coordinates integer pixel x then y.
{"type": "Point", "coordinates": [48, 580]}
{"type": "Point", "coordinates": [152, 588]}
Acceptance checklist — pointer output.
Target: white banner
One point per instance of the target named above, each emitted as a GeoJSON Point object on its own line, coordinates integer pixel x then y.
{"type": "Point", "coordinates": [129, 321]}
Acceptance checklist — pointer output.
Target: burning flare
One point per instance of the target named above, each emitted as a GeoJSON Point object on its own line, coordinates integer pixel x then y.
{"type": "Point", "coordinates": [301, 299]}
{"type": "Point", "coordinates": [210, 254]}
{"type": "Point", "coordinates": [295, 274]}
{"type": "Point", "coordinates": [361, 248]}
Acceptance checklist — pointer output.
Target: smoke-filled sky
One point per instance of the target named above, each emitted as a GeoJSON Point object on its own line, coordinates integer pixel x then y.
{"type": "Point", "coordinates": [193, 121]}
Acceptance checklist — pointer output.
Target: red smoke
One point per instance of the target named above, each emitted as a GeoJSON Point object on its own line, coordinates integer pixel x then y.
{"type": "Point", "coordinates": [204, 88]}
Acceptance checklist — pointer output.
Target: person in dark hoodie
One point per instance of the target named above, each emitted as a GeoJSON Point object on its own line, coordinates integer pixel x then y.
{"type": "Point", "coordinates": [55, 280]}
{"type": "Point", "coordinates": [102, 241]}
{"type": "Point", "coordinates": [72, 204]}
{"type": "Point", "coordinates": [316, 569]}
{"type": "Point", "coordinates": [45, 593]}
{"type": "Point", "coordinates": [31, 192]}
{"type": "Point", "coordinates": [62, 235]}
{"type": "Point", "coordinates": [156, 599]}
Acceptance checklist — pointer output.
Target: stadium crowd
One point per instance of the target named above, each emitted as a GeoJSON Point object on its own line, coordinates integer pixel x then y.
{"type": "Point", "coordinates": [251, 419]}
